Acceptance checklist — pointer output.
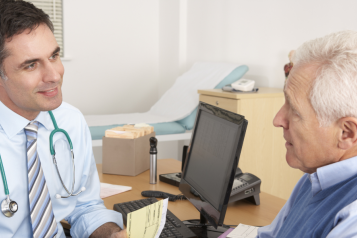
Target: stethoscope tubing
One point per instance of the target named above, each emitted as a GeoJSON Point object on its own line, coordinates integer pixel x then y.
{"type": "Point", "coordinates": [6, 203]}
{"type": "Point", "coordinates": [73, 168]}
{"type": "Point", "coordinates": [52, 150]}
{"type": "Point", "coordinates": [4, 177]}
{"type": "Point", "coordinates": [53, 153]}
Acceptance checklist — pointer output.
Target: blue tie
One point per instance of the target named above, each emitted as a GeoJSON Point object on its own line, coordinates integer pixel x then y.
{"type": "Point", "coordinates": [43, 221]}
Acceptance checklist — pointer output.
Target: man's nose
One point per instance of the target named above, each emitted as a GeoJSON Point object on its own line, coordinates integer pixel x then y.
{"type": "Point", "coordinates": [280, 119]}
{"type": "Point", "coordinates": [51, 72]}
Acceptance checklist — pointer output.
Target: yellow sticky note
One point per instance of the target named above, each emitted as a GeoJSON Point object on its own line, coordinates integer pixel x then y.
{"type": "Point", "coordinates": [148, 221]}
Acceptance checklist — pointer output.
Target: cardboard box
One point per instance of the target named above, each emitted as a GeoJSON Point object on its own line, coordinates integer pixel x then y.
{"type": "Point", "coordinates": [126, 156]}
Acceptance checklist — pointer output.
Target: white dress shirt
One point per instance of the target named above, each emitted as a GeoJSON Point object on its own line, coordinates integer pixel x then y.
{"type": "Point", "coordinates": [84, 212]}
{"type": "Point", "coordinates": [345, 220]}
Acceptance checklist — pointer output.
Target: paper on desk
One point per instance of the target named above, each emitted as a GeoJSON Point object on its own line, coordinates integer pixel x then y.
{"type": "Point", "coordinates": [148, 221]}
{"type": "Point", "coordinates": [244, 231]}
{"type": "Point", "coordinates": [107, 190]}
{"type": "Point", "coordinates": [224, 235]}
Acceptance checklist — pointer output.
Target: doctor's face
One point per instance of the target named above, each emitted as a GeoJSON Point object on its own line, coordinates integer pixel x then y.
{"type": "Point", "coordinates": [308, 146]}
{"type": "Point", "coordinates": [34, 73]}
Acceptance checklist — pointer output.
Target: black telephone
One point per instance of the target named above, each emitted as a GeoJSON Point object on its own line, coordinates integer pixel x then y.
{"type": "Point", "coordinates": [245, 185]}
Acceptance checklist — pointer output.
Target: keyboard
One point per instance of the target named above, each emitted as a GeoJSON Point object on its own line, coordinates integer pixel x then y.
{"type": "Point", "coordinates": [174, 227]}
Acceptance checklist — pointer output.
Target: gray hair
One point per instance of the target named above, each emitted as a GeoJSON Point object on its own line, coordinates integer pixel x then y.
{"type": "Point", "coordinates": [334, 91]}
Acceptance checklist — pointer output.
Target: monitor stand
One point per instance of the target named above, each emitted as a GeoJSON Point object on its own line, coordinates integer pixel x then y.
{"type": "Point", "coordinates": [202, 229]}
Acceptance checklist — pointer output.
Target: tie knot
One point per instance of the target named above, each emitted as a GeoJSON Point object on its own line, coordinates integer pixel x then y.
{"type": "Point", "coordinates": [31, 130]}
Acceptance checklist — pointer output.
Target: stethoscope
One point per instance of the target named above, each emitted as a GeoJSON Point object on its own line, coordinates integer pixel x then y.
{"type": "Point", "coordinates": [9, 207]}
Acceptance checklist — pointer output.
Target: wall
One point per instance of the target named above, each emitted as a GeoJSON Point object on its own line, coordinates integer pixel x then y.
{"type": "Point", "coordinates": [113, 49]}
{"type": "Point", "coordinates": [169, 44]}
{"type": "Point", "coordinates": [261, 33]}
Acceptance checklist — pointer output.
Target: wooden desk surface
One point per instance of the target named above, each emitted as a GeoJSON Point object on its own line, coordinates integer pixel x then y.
{"type": "Point", "coordinates": [237, 212]}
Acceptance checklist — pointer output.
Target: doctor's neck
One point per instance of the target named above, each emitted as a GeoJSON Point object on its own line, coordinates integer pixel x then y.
{"type": "Point", "coordinates": [28, 114]}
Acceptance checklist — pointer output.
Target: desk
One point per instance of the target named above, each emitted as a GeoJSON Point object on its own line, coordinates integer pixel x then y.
{"type": "Point", "coordinates": [237, 212]}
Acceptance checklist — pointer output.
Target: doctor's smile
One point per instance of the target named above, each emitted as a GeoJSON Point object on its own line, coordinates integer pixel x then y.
{"type": "Point", "coordinates": [49, 93]}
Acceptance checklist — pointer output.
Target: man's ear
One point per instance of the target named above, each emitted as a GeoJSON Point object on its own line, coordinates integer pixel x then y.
{"type": "Point", "coordinates": [1, 79]}
{"type": "Point", "coordinates": [347, 137]}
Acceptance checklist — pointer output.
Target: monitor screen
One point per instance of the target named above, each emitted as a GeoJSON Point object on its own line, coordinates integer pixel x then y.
{"type": "Point", "coordinates": [212, 159]}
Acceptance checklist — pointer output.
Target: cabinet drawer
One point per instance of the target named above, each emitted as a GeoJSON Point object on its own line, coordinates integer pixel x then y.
{"type": "Point", "coordinates": [225, 103]}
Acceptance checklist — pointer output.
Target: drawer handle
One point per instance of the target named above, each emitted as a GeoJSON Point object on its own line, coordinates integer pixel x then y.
{"type": "Point", "coordinates": [217, 103]}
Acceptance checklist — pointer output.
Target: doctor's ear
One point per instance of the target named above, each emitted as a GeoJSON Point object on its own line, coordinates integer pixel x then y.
{"type": "Point", "coordinates": [348, 136]}
{"type": "Point", "coordinates": [2, 77]}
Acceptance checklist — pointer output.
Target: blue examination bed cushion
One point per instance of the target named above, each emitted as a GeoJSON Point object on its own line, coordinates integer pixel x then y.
{"type": "Point", "coordinates": [163, 128]}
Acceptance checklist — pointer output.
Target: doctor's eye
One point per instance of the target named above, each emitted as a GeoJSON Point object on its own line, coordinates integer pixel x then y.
{"type": "Point", "coordinates": [55, 56]}
{"type": "Point", "coordinates": [30, 66]}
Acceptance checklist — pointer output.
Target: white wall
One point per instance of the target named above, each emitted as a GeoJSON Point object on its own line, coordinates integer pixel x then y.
{"type": "Point", "coordinates": [113, 46]}
{"type": "Point", "coordinates": [261, 33]}
{"type": "Point", "coordinates": [169, 44]}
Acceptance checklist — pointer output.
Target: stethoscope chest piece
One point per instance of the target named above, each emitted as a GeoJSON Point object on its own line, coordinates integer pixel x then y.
{"type": "Point", "coordinates": [8, 207]}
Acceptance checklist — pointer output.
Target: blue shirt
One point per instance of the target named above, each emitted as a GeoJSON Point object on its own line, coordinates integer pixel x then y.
{"type": "Point", "coordinates": [85, 212]}
{"type": "Point", "coordinates": [325, 177]}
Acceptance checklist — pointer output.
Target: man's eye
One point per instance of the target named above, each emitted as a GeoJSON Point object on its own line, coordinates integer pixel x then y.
{"type": "Point", "coordinates": [55, 56]}
{"type": "Point", "coordinates": [296, 113]}
{"type": "Point", "coordinates": [30, 66]}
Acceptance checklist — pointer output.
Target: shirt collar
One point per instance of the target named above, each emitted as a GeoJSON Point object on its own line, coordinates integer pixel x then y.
{"type": "Point", "coordinates": [12, 123]}
{"type": "Point", "coordinates": [44, 119]}
{"type": "Point", "coordinates": [332, 174]}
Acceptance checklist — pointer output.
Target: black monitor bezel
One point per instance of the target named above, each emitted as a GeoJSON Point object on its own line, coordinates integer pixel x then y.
{"type": "Point", "coordinates": [218, 215]}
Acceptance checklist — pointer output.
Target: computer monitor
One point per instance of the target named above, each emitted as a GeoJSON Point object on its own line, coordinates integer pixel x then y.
{"type": "Point", "coordinates": [212, 160]}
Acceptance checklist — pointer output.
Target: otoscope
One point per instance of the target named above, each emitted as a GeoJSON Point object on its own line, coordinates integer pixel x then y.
{"type": "Point", "coordinates": [153, 160]}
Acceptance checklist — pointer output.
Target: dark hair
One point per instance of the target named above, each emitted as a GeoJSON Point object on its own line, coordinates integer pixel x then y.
{"type": "Point", "coordinates": [15, 18]}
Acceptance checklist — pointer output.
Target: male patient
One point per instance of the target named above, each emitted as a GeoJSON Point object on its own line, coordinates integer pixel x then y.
{"type": "Point", "coordinates": [31, 75]}
{"type": "Point", "coordinates": [319, 120]}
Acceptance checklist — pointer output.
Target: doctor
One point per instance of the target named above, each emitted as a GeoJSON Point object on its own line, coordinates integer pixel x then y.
{"type": "Point", "coordinates": [31, 76]}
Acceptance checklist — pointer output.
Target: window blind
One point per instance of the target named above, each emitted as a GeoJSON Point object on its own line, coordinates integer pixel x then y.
{"type": "Point", "coordinates": [53, 8]}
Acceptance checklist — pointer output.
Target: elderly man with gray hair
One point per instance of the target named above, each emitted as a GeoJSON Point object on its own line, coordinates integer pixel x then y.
{"type": "Point", "coordinates": [319, 120]}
